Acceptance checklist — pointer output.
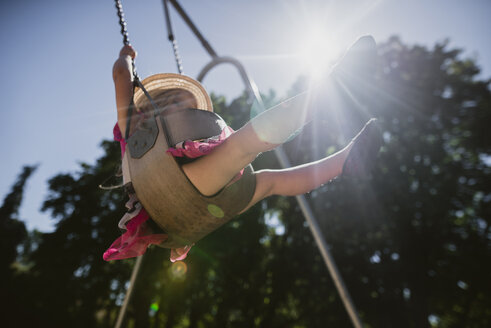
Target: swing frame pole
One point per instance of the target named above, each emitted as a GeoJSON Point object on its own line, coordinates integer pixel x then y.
{"type": "Point", "coordinates": [254, 95]}
{"type": "Point", "coordinates": [324, 248]}
{"type": "Point", "coordinates": [129, 292]}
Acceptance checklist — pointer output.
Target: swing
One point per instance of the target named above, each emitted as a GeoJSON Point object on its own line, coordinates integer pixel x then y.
{"type": "Point", "coordinates": [155, 176]}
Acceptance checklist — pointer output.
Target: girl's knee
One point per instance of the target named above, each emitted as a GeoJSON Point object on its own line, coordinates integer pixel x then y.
{"type": "Point", "coordinates": [249, 143]}
{"type": "Point", "coordinates": [238, 150]}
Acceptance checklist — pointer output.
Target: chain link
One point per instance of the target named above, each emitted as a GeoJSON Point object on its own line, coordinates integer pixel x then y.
{"type": "Point", "coordinates": [172, 39]}
{"type": "Point", "coordinates": [124, 33]}
{"type": "Point", "coordinates": [178, 58]}
{"type": "Point", "coordinates": [122, 23]}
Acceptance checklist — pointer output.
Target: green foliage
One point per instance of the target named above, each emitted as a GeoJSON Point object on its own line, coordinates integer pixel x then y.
{"type": "Point", "coordinates": [12, 230]}
{"type": "Point", "coordinates": [412, 242]}
{"type": "Point", "coordinates": [12, 235]}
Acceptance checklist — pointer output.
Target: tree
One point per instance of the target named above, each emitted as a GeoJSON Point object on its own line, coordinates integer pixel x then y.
{"type": "Point", "coordinates": [12, 235]}
{"type": "Point", "coordinates": [12, 230]}
{"type": "Point", "coordinates": [420, 229]}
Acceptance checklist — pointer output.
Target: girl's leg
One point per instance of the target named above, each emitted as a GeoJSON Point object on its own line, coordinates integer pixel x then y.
{"type": "Point", "coordinates": [211, 173]}
{"type": "Point", "coordinates": [266, 131]}
{"type": "Point", "coordinates": [300, 179]}
{"type": "Point", "coordinates": [355, 160]}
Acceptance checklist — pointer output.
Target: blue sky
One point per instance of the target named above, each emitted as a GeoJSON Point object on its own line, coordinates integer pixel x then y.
{"type": "Point", "coordinates": [57, 92]}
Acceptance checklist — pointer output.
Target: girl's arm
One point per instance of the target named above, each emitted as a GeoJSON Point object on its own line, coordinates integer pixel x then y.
{"type": "Point", "coordinates": [123, 83]}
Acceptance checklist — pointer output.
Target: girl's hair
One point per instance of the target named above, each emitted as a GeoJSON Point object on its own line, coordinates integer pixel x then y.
{"type": "Point", "coordinates": [169, 100]}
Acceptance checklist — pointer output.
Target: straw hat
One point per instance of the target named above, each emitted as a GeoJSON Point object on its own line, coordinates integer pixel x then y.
{"type": "Point", "coordinates": [172, 90]}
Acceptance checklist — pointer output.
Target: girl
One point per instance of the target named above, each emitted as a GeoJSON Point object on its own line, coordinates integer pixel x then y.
{"type": "Point", "coordinates": [228, 154]}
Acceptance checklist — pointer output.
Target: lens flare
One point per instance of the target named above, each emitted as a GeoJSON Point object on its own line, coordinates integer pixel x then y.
{"type": "Point", "coordinates": [154, 307]}
{"type": "Point", "coordinates": [319, 52]}
{"type": "Point", "coordinates": [178, 270]}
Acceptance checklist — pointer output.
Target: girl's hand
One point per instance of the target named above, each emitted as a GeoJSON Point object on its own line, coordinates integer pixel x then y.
{"type": "Point", "coordinates": [127, 50]}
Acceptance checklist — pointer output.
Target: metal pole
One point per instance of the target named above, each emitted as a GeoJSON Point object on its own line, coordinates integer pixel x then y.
{"type": "Point", "coordinates": [251, 85]}
{"type": "Point", "coordinates": [134, 274]}
{"type": "Point", "coordinates": [193, 28]}
{"type": "Point", "coordinates": [323, 247]}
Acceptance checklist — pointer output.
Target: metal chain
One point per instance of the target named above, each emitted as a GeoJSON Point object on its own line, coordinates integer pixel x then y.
{"type": "Point", "coordinates": [122, 22]}
{"type": "Point", "coordinates": [124, 33]}
{"type": "Point", "coordinates": [172, 39]}
{"type": "Point", "coordinates": [136, 78]}
{"type": "Point", "coordinates": [180, 69]}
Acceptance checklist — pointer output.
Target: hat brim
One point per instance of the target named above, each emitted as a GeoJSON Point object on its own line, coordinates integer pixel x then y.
{"type": "Point", "coordinates": [157, 83]}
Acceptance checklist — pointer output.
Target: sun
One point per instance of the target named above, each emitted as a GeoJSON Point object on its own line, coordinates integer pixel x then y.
{"type": "Point", "coordinates": [319, 51]}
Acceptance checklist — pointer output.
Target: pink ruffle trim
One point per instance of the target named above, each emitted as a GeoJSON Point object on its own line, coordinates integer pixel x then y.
{"type": "Point", "coordinates": [135, 240]}
{"type": "Point", "coordinates": [194, 149]}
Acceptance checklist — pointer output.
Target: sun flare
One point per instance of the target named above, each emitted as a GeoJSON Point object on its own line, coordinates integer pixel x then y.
{"type": "Point", "coordinates": [318, 51]}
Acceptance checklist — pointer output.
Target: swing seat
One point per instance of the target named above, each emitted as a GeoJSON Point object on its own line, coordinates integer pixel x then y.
{"type": "Point", "coordinates": [166, 193]}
